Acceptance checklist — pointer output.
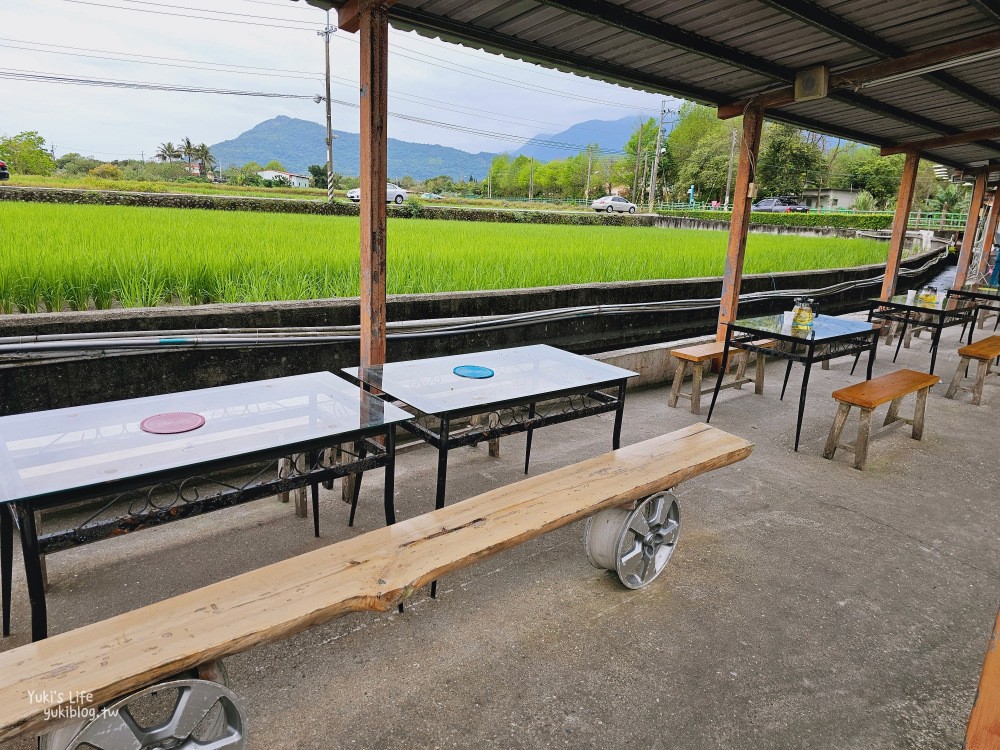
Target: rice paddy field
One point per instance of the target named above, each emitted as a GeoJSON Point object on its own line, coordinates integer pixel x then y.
{"type": "Point", "coordinates": [58, 257]}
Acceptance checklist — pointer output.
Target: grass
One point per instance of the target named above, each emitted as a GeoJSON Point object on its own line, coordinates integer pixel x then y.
{"type": "Point", "coordinates": [55, 257]}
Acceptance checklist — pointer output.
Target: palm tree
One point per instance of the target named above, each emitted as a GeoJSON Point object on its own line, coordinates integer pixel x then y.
{"type": "Point", "coordinates": [188, 149]}
{"type": "Point", "coordinates": [206, 162]}
{"type": "Point", "coordinates": [167, 152]}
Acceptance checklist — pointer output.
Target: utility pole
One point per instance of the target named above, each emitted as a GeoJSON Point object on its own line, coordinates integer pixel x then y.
{"type": "Point", "coordinates": [645, 171]}
{"type": "Point", "coordinates": [635, 177]}
{"type": "Point", "coordinates": [590, 162]}
{"type": "Point", "coordinates": [326, 33]}
{"type": "Point", "coordinates": [531, 180]}
{"type": "Point", "coordinates": [729, 175]}
{"type": "Point", "coordinates": [656, 156]}
{"type": "Point", "coordinates": [489, 183]}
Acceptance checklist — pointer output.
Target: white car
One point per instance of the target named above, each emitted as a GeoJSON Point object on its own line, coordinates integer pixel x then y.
{"type": "Point", "coordinates": [393, 194]}
{"type": "Point", "coordinates": [611, 203]}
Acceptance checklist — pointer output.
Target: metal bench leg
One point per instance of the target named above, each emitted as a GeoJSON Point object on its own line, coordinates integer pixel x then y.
{"type": "Point", "coordinates": [6, 563]}
{"type": "Point", "coordinates": [956, 381]}
{"type": "Point", "coordinates": [527, 447]}
{"type": "Point", "coordinates": [442, 477]}
{"type": "Point", "coordinates": [788, 371]}
{"type": "Point", "coordinates": [918, 413]}
{"type": "Point", "coordinates": [838, 426]}
{"type": "Point", "coordinates": [355, 483]}
{"type": "Point", "coordinates": [675, 388]}
{"type": "Point", "coordinates": [864, 434]}
{"type": "Point", "coordinates": [32, 571]}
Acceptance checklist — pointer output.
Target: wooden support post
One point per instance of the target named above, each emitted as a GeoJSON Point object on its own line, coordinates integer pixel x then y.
{"type": "Point", "coordinates": [753, 122]}
{"type": "Point", "coordinates": [971, 226]}
{"type": "Point", "coordinates": [991, 231]}
{"type": "Point", "coordinates": [983, 731]}
{"type": "Point", "coordinates": [373, 23]}
{"type": "Point", "coordinates": [899, 222]}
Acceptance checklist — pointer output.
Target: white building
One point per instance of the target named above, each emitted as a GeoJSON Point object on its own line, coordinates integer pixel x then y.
{"type": "Point", "coordinates": [829, 198]}
{"type": "Point", "coordinates": [295, 180]}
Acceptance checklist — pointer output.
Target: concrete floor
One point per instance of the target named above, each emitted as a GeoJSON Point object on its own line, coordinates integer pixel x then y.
{"type": "Point", "coordinates": [808, 605]}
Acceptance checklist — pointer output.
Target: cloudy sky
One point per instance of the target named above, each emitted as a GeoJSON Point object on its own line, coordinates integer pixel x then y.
{"type": "Point", "coordinates": [266, 46]}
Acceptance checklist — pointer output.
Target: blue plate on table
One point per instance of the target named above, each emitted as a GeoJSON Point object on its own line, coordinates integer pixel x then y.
{"type": "Point", "coordinates": [473, 371]}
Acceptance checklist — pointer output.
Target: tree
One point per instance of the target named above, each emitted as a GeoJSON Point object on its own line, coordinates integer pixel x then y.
{"type": "Point", "coordinates": [788, 161]}
{"type": "Point", "coordinates": [189, 150]}
{"type": "Point", "coordinates": [318, 173]}
{"type": "Point", "coordinates": [274, 165]}
{"type": "Point", "coordinates": [206, 162]}
{"type": "Point", "coordinates": [26, 153]}
{"type": "Point", "coordinates": [76, 164]}
{"type": "Point", "coordinates": [167, 152]}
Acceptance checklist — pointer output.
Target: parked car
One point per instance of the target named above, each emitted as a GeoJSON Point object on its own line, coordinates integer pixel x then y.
{"type": "Point", "coordinates": [4, 172]}
{"type": "Point", "coordinates": [611, 203]}
{"type": "Point", "coordinates": [393, 194]}
{"type": "Point", "coordinates": [781, 205]}
{"type": "Point", "coordinates": [432, 197]}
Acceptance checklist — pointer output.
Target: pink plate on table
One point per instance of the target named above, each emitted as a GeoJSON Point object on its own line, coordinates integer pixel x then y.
{"type": "Point", "coordinates": [172, 423]}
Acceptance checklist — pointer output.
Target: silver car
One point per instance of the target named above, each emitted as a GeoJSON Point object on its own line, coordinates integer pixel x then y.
{"type": "Point", "coordinates": [611, 203]}
{"type": "Point", "coordinates": [393, 194]}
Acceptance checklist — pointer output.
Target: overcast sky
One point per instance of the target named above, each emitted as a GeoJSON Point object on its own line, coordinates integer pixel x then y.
{"type": "Point", "coordinates": [174, 41]}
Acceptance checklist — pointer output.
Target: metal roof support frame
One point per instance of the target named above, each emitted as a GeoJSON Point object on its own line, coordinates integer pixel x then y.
{"type": "Point", "coordinates": [971, 227]}
{"type": "Point", "coordinates": [903, 205]}
{"type": "Point", "coordinates": [739, 222]}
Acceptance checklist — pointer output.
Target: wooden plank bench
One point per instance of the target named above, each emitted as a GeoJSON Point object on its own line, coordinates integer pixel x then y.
{"type": "Point", "coordinates": [983, 730]}
{"type": "Point", "coordinates": [869, 395]}
{"type": "Point", "coordinates": [693, 358]}
{"type": "Point", "coordinates": [984, 352]}
{"type": "Point", "coordinates": [374, 571]}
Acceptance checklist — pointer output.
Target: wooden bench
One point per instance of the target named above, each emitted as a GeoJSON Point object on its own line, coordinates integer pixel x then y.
{"type": "Point", "coordinates": [984, 352]}
{"type": "Point", "coordinates": [693, 358]}
{"type": "Point", "coordinates": [871, 394]}
{"type": "Point", "coordinates": [375, 571]}
{"type": "Point", "coordinates": [983, 731]}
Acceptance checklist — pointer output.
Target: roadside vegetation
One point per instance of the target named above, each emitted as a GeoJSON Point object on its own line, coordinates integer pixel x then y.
{"type": "Point", "coordinates": [56, 257]}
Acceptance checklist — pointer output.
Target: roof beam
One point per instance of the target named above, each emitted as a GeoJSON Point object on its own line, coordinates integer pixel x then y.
{"type": "Point", "coordinates": [349, 13]}
{"type": "Point", "coordinates": [990, 8]}
{"type": "Point", "coordinates": [557, 58]}
{"type": "Point", "coordinates": [831, 23]}
{"type": "Point", "coordinates": [650, 28]}
{"type": "Point", "coordinates": [948, 140]}
{"type": "Point", "coordinates": [855, 77]}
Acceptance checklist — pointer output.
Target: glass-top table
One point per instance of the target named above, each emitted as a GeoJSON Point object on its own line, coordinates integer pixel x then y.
{"type": "Point", "coordinates": [935, 316]}
{"type": "Point", "coordinates": [827, 338]}
{"type": "Point", "coordinates": [62, 456]}
{"type": "Point", "coordinates": [522, 376]}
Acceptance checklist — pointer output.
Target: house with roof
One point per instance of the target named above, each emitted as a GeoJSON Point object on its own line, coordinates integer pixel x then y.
{"type": "Point", "coordinates": [294, 180]}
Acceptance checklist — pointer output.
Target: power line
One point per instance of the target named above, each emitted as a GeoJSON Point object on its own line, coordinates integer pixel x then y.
{"type": "Point", "coordinates": [495, 78]}
{"type": "Point", "coordinates": [42, 77]}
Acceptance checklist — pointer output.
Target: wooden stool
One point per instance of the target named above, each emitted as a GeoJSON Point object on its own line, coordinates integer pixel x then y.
{"type": "Point", "coordinates": [984, 352]}
{"type": "Point", "coordinates": [873, 393]}
{"type": "Point", "coordinates": [694, 358]}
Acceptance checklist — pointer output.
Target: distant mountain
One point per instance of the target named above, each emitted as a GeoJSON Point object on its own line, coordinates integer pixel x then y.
{"type": "Point", "coordinates": [610, 135]}
{"type": "Point", "coordinates": [299, 143]}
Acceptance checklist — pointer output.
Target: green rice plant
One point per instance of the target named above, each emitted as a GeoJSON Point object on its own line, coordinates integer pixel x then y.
{"type": "Point", "coordinates": [76, 255]}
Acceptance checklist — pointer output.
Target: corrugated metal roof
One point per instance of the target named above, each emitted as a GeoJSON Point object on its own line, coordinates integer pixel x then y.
{"type": "Point", "coordinates": [718, 51]}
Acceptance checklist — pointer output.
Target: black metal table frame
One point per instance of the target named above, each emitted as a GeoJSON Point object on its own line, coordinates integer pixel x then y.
{"type": "Point", "coordinates": [805, 350]}
{"type": "Point", "coordinates": [936, 320]}
{"type": "Point", "coordinates": [983, 301]}
{"type": "Point", "coordinates": [21, 514]}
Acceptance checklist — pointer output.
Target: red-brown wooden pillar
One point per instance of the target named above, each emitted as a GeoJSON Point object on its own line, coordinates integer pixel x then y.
{"type": "Point", "coordinates": [739, 221]}
{"type": "Point", "coordinates": [371, 18]}
{"type": "Point", "coordinates": [971, 227]}
{"type": "Point", "coordinates": [991, 230]}
{"type": "Point", "coordinates": [904, 203]}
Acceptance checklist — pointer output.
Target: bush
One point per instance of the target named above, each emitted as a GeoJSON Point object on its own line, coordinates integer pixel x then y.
{"type": "Point", "coordinates": [107, 172]}
{"type": "Point", "coordinates": [834, 221]}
